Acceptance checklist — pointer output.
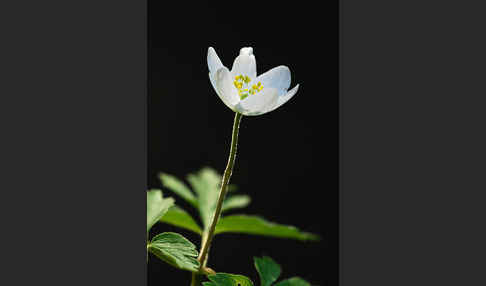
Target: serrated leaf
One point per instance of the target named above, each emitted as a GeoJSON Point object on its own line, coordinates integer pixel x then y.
{"type": "Point", "coordinates": [256, 225]}
{"type": "Point", "coordinates": [178, 187]}
{"type": "Point", "coordinates": [176, 250]}
{"type": "Point", "coordinates": [268, 270]}
{"type": "Point", "coordinates": [180, 218]}
{"type": "Point", "coordinates": [206, 184]}
{"type": "Point", "coordinates": [225, 279]}
{"type": "Point", "coordinates": [235, 201]}
{"type": "Point", "coordinates": [294, 281]}
{"type": "Point", "coordinates": [156, 207]}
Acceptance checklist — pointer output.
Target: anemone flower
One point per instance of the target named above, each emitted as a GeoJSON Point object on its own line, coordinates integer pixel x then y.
{"type": "Point", "coordinates": [242, 91]}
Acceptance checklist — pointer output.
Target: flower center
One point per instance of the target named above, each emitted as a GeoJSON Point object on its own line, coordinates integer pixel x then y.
{"type": "Point", "coordinates": [242, 84]}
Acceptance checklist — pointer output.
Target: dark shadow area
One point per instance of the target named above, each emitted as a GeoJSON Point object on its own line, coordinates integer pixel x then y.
{"type": "Point", "coordinates": [287, 160]}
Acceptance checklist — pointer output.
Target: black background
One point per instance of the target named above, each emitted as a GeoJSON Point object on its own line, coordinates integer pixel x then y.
{"type": "Point", "coordinates": [287, 160]}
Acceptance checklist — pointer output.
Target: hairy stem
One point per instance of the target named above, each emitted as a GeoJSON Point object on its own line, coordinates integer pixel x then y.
{"type": "Point", "coordinates": [224, 189]}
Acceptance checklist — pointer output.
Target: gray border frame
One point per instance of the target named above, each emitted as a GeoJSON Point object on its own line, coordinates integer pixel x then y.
{"type": "Point", "coordinates": [412, 143]}
{"type": "Point", "coordinates": [74, 142]}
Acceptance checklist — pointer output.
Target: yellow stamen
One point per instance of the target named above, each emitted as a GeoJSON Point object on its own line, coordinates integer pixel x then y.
{"type": "Point", "coordinates": [244, 81]}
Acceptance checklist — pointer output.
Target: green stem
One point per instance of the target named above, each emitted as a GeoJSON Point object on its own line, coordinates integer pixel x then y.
{"type": "Point", "coordinates": [224, 189]}
{"type": "Point", "coordinates": [196, 277]}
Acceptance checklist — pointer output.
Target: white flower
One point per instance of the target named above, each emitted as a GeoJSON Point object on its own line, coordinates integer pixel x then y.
{"type": "Point", "coordinates": [242, 91]}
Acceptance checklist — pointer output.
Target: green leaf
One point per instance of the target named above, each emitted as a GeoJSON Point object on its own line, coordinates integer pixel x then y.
{"type": "Point", "coordinates": [176, 250]}
{"type": "Point", "coordinates": [206, 184]}
{"type": "Point", "coordinates": [268, 270]}
{"type": "Point", "coordinates": [259, 226]}
{"type": "Point", "coordinates": [156, 207]}
{"type": "Point", "coordinates": [178, 187]}
{"type": "Point", "coordinates": [235, 201]}
{"type": "Point", "coordinates": [180, 218]}
{"type": "Point", "coordinates": [225, 279]}
{"type": "Point", "coordinates": [294, 281]}
{"type": "Point", "coordinates": [232, 188]}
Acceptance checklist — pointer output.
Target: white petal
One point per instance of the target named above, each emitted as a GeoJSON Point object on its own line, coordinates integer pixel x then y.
{"type": "Point", "coordinates": [212, 78]}
{"type": "Point", "coordinates": [278, 78]}
{"type": "Point", "coordinates": [244, 64]}
{"type": "Point", "coordinates": [214, 63]}
{"type": "Point", "coordinates": [246, 51]}
{"type": "Point", "coordinates": [284, 98]}
{"type": "Point", "coordinates": [225, 87]}
{"type": "Point", "coordinates": [258, 103]}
